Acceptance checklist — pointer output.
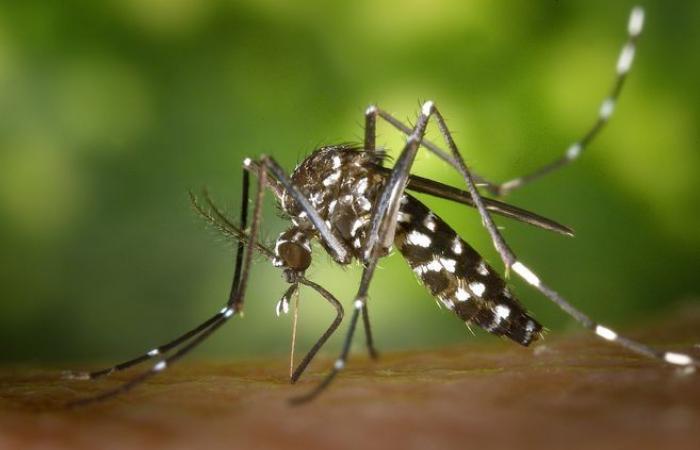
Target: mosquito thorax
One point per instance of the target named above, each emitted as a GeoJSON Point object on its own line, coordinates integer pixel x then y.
{"type": "Point", "coordinates": [341, 183]}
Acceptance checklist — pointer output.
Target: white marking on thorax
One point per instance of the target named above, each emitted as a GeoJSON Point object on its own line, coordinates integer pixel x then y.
{"type": "Point", "coordinates": [364, 204]}
{"type": "Point", "coordinates": [332, 178]}
{"type": "Point", "coordinates": [356, 226]}
{"type": "Point", "coordinates": [361, 186]}
{"type": "Point", "coordinates": [317, 198]}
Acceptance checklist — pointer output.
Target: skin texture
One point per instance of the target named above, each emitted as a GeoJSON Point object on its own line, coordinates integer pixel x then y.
{"type": "Point", "coordinates": [571, 390]}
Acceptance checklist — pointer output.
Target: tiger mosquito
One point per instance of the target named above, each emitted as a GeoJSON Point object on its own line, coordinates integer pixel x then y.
{"type": "Point", "coordinates": [343, 197]}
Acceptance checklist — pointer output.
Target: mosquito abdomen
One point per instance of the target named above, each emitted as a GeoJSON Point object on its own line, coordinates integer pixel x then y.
{"type": "Point", "coordinates": [457, 276]}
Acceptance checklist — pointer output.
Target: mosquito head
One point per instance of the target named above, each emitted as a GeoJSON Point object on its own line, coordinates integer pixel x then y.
{"type": "Point", "coordinates": [293, 253]}
{"type": "Point", "coordinates": [294, 256]}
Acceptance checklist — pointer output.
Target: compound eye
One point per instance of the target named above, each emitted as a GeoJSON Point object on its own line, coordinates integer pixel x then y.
{"type": "Point", "coordinates": [295, 256]}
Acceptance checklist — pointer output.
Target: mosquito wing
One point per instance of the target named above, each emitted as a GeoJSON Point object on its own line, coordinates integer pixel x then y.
{"type": "Point", "coordinates": [437, 189]}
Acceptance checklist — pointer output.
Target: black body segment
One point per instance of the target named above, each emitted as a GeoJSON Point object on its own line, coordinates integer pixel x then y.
{"type": "Point", "coordinates": [457, 275]}
{"type": "Point", "coordinates": [343, 183]}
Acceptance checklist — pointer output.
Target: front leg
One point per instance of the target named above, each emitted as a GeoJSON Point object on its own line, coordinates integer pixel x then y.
{"type": "Point", "coordinates": [378, 242]}
{"type": "Point", "coordinates": [326, 335]}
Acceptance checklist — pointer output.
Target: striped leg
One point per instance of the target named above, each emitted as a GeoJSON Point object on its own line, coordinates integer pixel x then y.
{"type": "Point", "coordinates": [624, 64]}
{"type": "Point", "coordinates": [679, 359]}
{"type": "Point", "coordinates": [167, 347]}
{"type": "Point", "coordinates": [511, 261]}
{"type": "Point", "coordinates": [327, 334]}
{"type": "Point", "coordinates": [370, 146]}
{"type": "Point", "coordinates": [233, 306]}
{"type": "Point", "coordinates": [221, 222]}
{"type": "Point", "coordinates": [380, 239]}
{"type": "Point", "coordinates": [156, 352]}
{"type": "Point", "coordinates": [371, 128]}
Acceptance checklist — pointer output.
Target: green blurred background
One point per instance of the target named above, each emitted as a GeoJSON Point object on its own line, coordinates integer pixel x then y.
{"type": "Point", "coordinates": [110, 111]}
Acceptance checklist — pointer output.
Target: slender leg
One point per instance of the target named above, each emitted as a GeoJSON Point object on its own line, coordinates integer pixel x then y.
{"type": "Point", "coordinates": [341, 252]}
{"type": "Point", "coordinates": [234, 305]}
{"type": "Point", "coordinates": [326, 335]}
{"type": "Point", "coordinates": [511, 261]}
{"type": "Point", "coordinates": [222, 223]}
{"type": "Point", "coordinates": [382, 231]}
{"type": "Point", "coordinates": [370, 146]}
{"type": "Point", "coordinates": [239, 248]}
{"type": "Point", "coordinates": [369, 339]}
{"type": "Point", "coordinates": [320, 225]}
{"type": "Point", "coordinates": [293, 296]}
{"type": "Point", "coordinates": [383, 226]}
{"type": "Point", "coordinates": [370, 128]}
{"type": "Point", "coordinates": [434, 148]}
{"type": "Point", "coordinates": [624, 64]}
{"type": "Point", "coordinates": [337, 367]}
{"type": "Point", "coordinates": [165, 348]}
{"type": "Point", "coordinates": [160, 350]}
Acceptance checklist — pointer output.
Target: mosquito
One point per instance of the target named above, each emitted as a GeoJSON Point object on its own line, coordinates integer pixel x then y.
{"type": "Point", "coordinates": [344, 198]}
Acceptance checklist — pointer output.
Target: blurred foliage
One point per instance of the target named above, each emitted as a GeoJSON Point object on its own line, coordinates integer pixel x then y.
{"type": "Point", "coordinates": [112, 110]}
